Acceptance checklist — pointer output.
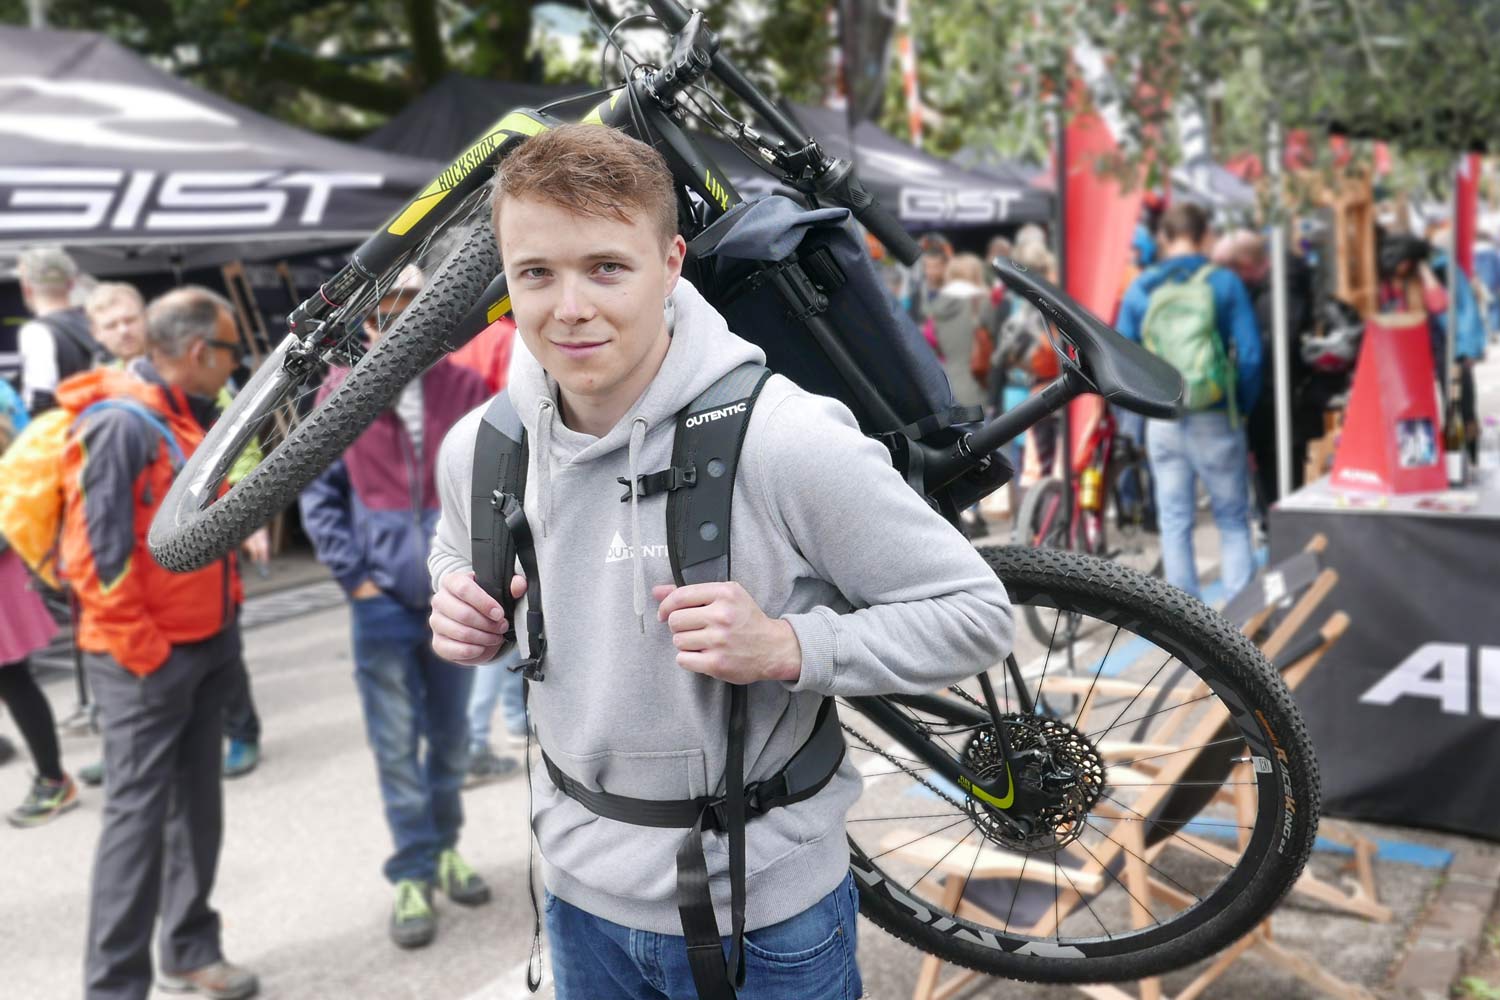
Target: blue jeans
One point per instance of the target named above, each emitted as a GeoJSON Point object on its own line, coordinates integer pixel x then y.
{"type": "Point", "coordinates": [806, 957]}
{"type": "Point", "coordinates": [410, 695]}
{"type": "Point", "coordinates": [496, 682]}
{"type": "Point", "coordinates": [1202, 445]}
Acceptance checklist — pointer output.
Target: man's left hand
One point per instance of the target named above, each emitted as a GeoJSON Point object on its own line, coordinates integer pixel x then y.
{"type": "Point", "coordinates": [258, 547]}
{"type": "Point", "coordinates": [720, 631]}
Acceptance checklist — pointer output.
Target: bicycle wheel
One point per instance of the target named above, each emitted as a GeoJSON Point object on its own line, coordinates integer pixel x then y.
{"type": "Point", "coordinates": [197, 525]}
{"type": "Point", "coordinates": [1040, 524]}
{"type": "Point", "coordinates": [1185, 787]}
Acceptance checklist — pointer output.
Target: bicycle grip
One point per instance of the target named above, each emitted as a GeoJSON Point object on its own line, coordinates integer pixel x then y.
{"type": "Point", "coordinates": [846, 188]}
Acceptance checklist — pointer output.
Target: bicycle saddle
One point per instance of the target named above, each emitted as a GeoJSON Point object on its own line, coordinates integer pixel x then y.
{"type": "Point", "coordinates": [1123, 372]}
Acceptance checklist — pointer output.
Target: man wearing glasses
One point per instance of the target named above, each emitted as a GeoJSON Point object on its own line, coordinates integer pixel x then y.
{"type": "Point", "coordinates": [161, 650]}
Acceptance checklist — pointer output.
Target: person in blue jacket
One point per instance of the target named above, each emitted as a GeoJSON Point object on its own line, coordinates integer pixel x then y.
{"type": "Point", "coordinates": [1204, 444]}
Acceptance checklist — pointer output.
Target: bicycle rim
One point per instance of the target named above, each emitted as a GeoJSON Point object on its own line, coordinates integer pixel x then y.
{"type": "Point", "coordinates": [1195, 809]}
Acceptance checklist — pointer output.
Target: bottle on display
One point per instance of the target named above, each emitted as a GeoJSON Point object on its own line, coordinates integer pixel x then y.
{"type": "Point", "coordinates": [1455, 454]}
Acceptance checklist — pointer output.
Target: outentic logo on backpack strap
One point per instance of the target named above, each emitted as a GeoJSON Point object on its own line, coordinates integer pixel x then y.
{"type": "Point", "coordinates": [619, 551]}
{"type": "Point", "coordinates": [733, 409]}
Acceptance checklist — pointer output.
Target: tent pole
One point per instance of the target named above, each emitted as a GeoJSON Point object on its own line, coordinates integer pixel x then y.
{"type": "Point", "coordinates": [1280, 339]}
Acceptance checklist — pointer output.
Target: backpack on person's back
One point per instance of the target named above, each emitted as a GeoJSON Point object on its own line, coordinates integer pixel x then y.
{"type": "Point", "coordinates": [1181, 328]}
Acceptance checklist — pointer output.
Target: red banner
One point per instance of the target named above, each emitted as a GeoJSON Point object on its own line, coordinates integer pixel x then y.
{"type": "Point", "coordinates": [1101, 219]}
{"type": "Point", "coordinates": [1466, 211]}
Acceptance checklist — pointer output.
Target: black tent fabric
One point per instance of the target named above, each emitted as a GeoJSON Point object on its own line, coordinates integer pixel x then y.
{"type": "Point", "coordinates": [924, 191]}
{"type": "Point", "coordinates": [135, 170]}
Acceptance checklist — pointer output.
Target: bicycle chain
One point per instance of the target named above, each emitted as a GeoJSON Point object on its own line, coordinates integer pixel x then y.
{"type": "Point", "coordinates": [909, 772]}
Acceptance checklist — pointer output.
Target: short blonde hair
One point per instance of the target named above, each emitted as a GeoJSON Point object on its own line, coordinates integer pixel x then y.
{"type": "Point", "coordinates": [964, 267]}
{"type": "Point", "coordinates": [107, 293]}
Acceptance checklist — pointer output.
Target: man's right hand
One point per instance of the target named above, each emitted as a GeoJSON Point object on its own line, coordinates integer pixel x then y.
{"type": "Point", "coordinates": [468, 625]}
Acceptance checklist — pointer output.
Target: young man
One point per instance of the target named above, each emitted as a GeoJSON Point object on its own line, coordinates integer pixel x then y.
{"type": "Point", "coordinates": [635, 698]}
{"type": "Point", "coordinates": [160, 649]}
{"type": "Point", "coordinates": [1204, 444]}
{"type": "Point", "coordinates": [56, 343]}
{"type": "Point", "coordinates": [370, 516]}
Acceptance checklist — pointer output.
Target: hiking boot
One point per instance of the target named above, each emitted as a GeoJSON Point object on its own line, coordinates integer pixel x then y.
{"type": "Point", "coordinates": [221, 981]}
{"type": "Point", "coordinates": [413, 923]}
{"type": "Point", "coordinates": [46, 801]}
{"type": "Point", "coordinates": [92, 774]}
{"type": "Point", "coordinates": [485, 766]}
{"type": "Point", "coordinates": [240, 758]}
{"type": "Point", "coordinates": [458, 881]}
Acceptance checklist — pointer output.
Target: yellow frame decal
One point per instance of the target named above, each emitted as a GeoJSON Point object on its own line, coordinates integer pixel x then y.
{"type": "Point", "coordinates": [1005, 803]}
{"type": "Point", "coordinates": [498, 309]}
{"type": "Point", "coordinates": [514, 123]}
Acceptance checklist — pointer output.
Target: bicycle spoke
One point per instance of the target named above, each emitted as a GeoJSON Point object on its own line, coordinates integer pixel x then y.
{"type": "Point", "coordinates": [1095, 682]}
{"type": "Point", "coordinates": [940, 860]}
{"type": "Point", "coordinates": [1162, 825]}
{"type": "Point", "coordinates": [932, 833]}
{"type": "Point", "coordinates": [1148, 864]}
{"type": "Point", "coordinates": [1164, 711]}
{"type": "Point", "coordinates": [1169, 753]}
{"type": "Point", "coordinates": [1138, 693]}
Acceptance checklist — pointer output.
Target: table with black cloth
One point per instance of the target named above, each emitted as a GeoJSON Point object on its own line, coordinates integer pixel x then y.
{"type": "Point", "coordinates": [1405, 709]}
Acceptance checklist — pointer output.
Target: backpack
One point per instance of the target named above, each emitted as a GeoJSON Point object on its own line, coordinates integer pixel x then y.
{"type": "Point", "coordinates": [1180, 328]}
{"type": "Point", "coordinates": [31, 482]}
{"type": "Point", "coordinates": [699, 485]}
{"type": "Point", "coordinates": [77, 350]}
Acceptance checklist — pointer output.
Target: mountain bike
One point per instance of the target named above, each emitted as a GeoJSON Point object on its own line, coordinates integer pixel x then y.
{"type": "Point", "coordinates": [1157, 823]}
{"type": "Point", "coordinates": [1112, 492]}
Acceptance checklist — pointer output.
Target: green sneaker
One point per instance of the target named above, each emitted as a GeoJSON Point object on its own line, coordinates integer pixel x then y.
{"type": "Point", "coordinates": [413, 922]}
{"type": "Point", "coordinates": [459, 882]}
{"type": "Point", "coordinates": [46, 801]}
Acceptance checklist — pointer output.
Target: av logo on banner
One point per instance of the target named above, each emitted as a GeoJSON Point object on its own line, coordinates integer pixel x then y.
{"type": "Point", "coordinates": [114, 116]}
{"type": "Point", "coordinates": [1439, 671]}
{"type": "Point", "coordinates": [83, 200]}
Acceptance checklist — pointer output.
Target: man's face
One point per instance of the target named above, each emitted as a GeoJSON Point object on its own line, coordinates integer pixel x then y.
{"type": "Point", "coordinates": [383, 317]}
{"type": "Point", "coordinates": [121, 327]}
{"type": "Point", "coordinates": [215, 359]}
{"type": "Point", "coordinates": [933, 265]}
{"type": "Point", "coordinates": [588, 295]}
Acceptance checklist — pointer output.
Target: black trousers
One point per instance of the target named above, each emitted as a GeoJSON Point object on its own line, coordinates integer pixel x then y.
{"type": "Point", "coordinates": [33, 715]}
{"type": "Point", "coordinates": [163, 815]}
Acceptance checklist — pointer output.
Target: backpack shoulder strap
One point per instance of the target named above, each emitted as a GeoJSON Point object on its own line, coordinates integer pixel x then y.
{"type": "Point", "coordinates": [499, 472]}
{"type": "Point", "coordinates": [710, 432]}
{"type": "Point", "coordinates": [179, 459]}
{"type": "Point", "coordinates": [1200, 276]}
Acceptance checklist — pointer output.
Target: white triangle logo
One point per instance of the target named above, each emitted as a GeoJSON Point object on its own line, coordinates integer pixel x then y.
{"type": "Point", "coordinates": [618, 550]}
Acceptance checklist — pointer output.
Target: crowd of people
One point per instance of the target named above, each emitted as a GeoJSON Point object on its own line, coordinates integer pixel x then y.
{"type": "Point", "coordinates": [996, 350]}
{"type": "Point", "coordinates": [136, 384]}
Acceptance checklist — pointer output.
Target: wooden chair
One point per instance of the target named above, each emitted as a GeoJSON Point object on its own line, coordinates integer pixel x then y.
{"type": "Point", "coordinates": [1273, 611]}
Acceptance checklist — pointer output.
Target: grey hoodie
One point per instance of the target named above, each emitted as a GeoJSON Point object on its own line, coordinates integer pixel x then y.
{"type": "Point", "coordinates": [821, 524]}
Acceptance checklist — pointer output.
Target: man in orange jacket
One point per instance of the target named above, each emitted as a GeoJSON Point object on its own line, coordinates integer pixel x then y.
{"type": "Point", "coordinates": [160, 649]}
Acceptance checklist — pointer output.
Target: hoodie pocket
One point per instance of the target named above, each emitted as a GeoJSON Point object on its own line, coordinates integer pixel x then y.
{"type": "Point", "coordinates": [656, 774]}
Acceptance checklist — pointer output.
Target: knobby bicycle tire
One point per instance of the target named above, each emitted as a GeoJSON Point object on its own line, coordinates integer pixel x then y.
{"type": "Point", "coordinates": [184, 537]}
{"type": "Point", "coordinates": [1285, 825]}
{"type": "Point", "coordinates": [1025, 534]}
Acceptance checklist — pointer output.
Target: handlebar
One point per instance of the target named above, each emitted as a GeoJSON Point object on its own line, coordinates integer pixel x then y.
{"type": "Point", "coordinates": [837, 182]}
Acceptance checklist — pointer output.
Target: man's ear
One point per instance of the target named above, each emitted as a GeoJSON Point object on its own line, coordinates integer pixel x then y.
{"type": "Point", "coordinates": [676, 254]}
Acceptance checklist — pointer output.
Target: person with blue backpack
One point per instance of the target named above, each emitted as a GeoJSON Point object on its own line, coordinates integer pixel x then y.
{"type": "Point", "coordinates": [1199, 318]}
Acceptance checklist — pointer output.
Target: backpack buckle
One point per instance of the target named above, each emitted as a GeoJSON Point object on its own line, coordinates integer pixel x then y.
{"type": "Point", "coordinates": [668, 480]}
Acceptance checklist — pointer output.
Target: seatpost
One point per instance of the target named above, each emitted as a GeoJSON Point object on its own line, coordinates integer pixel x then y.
{"type": "Point", "coordinates": [945, 467]}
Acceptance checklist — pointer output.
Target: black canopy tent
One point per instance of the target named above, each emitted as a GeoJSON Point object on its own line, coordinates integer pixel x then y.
{"type": "Point", "coordinates": [133, 170]}
{"type": "Point", "coordinates": [924, 191]}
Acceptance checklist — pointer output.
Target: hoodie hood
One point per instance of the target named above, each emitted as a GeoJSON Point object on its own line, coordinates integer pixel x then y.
{"type": "Point", "coordinates": [955, 298]}
{"type": "Point", "coordinates": [703, 349]}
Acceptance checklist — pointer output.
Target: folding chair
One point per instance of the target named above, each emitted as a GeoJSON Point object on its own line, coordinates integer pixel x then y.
{"type": "Point", "coordinates": [1039, 894]}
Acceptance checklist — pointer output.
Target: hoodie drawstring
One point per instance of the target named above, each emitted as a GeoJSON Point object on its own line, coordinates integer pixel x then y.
{"type": "Point", "coordinates": [637, 439]}
{"type": "Point", "coordinates": [545, 414]}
